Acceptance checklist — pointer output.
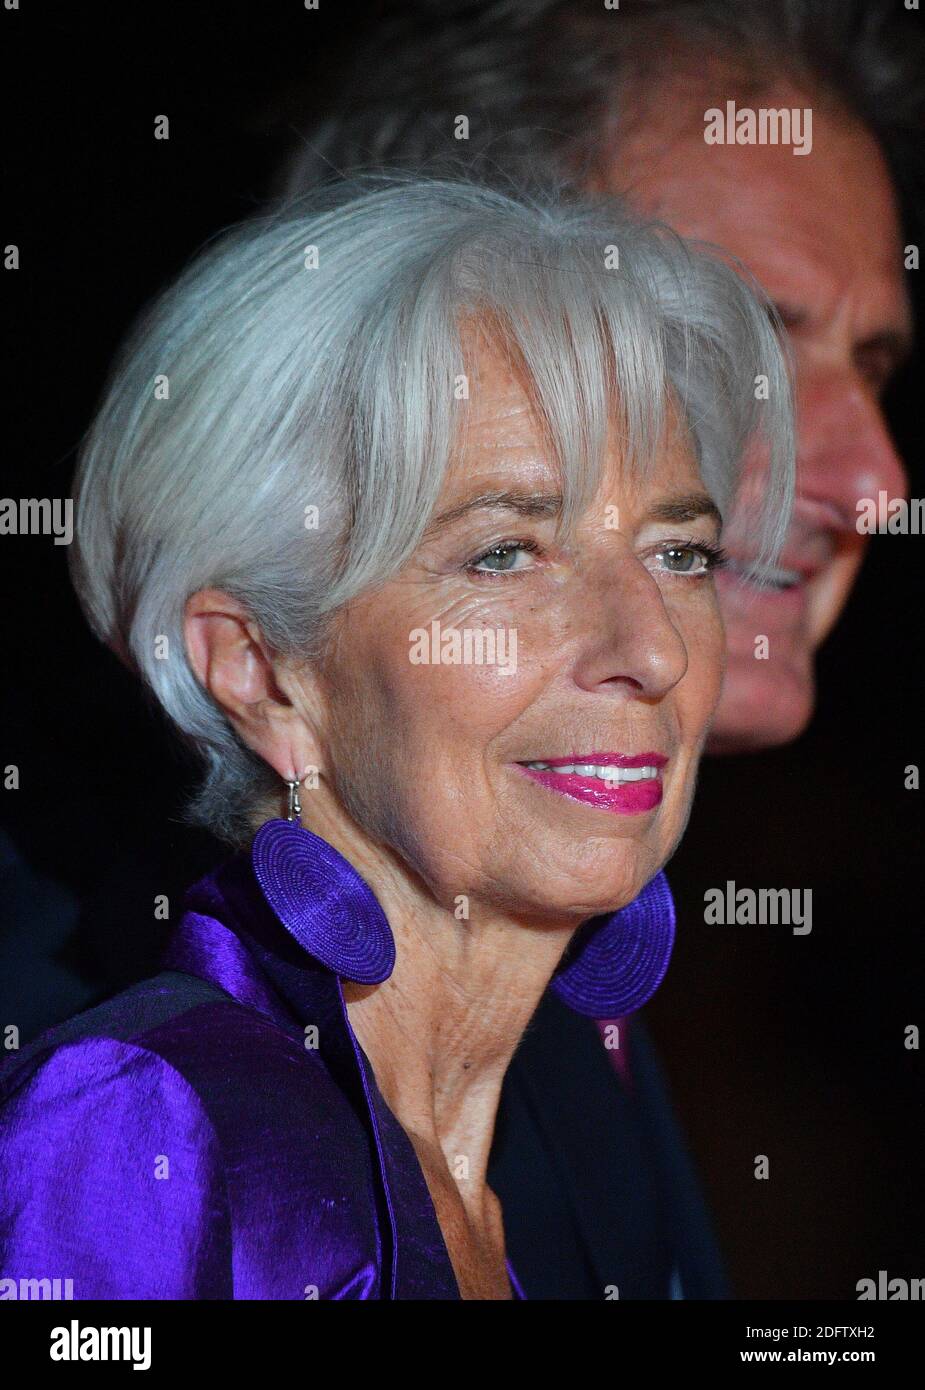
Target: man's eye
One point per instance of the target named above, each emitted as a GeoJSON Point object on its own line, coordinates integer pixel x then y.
{"type": "Point", "coordinates": [502, 559]}
{"type": "Point", "coordinates": [690, 559]}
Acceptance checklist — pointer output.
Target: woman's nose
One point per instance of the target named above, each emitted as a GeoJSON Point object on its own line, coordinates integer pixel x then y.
{"type": "Point", "coordinates": [631, 645]}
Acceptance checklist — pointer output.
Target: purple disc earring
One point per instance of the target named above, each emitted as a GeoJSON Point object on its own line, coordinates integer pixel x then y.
{"type": "Point", "coordinates": [617, 961]}
{"type": "Point", "coordinates": [321, 900]}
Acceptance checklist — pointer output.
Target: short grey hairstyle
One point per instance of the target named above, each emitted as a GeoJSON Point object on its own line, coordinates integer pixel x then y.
{"type": "Point", "coordinates": [546, 83]}
{"type": "Point", "coordinates": [309, 358]}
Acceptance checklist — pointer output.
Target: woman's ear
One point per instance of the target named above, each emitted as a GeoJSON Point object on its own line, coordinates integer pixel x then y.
{"type": "Point", "coordinates": [231, 659]}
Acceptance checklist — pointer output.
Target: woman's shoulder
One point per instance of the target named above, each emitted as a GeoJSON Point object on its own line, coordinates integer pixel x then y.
{"type": "Point", "coordinates": [149, 1020]}
{"type": "Point", "coordinates": [110, 1164]}
{"type": "Point", "coordinates": [136, 1137]}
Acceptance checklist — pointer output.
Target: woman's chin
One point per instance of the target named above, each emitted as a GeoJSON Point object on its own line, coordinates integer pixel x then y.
{"type": "Point", "coordinates": [596, 887]}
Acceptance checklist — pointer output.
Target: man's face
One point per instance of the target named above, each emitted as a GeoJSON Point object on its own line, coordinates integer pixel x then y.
{"type": "Point", "coordinates": [821, 232]}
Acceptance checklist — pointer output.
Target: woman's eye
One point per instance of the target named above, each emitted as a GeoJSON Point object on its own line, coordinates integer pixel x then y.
{"type": "Point", "coordinates": [690, 559]}
{"type": "Point", "coordinates": [503, 558]}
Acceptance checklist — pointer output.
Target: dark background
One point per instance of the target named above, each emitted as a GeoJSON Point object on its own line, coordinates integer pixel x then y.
{"type": "Point", "coordinates": [774, 1044]}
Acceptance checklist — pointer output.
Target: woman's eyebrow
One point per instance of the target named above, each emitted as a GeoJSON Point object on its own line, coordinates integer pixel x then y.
{"type": "Point", "coordinates": [689, 506]}
{"type": "Point", "coordinates": [686, 507]}
{"type": "Point", "coordinates": [524, 503]}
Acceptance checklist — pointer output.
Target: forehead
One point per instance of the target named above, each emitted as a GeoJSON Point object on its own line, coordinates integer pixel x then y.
{"type": "Point", "coordinates": [825, 224]}
{"type": "Point", "coordinates": [502, 437]}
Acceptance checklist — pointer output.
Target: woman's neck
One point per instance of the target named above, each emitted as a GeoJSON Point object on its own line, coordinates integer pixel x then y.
{"type": "Point", "coordinates": [440, 1032]}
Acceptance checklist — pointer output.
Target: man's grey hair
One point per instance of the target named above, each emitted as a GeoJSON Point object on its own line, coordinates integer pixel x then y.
{"type": "Point", "coordinates": [546, 85]}
{"type": "Point", "coordinates": [312, 358]}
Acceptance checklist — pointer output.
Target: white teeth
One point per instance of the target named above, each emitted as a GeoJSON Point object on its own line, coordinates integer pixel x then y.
{"type": "Point", "coordinates": [606, 773]}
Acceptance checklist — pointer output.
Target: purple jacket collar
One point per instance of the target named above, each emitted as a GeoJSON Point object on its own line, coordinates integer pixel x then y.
{"type": "Point", "coordinates": [229, 936]}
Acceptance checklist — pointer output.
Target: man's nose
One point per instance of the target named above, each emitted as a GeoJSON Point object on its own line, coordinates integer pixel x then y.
{"type": "Point", "coordinates": [632, 646]}
{"type": "Point", "coordinates": [844, 447]}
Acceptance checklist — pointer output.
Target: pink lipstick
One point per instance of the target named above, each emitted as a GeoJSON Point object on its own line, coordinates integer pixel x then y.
{"type": "Point", "coordinates": [628, 784]}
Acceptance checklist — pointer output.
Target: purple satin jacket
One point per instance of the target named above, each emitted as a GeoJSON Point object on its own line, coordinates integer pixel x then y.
{"type": "Point", "coordinates": [214, 1132]}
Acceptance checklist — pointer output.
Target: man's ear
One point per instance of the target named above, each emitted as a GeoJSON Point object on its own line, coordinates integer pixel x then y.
{"type": "Point", "coordinates": [231, 659]}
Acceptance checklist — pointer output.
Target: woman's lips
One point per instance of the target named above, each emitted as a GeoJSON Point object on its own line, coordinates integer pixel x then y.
{"type": "Point", "coordinates": [626, 784]}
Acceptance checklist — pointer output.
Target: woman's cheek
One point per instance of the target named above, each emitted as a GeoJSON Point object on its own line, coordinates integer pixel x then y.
{"type": "Point", "coordinates": [706, 645]}
{"type": "Point", "coordinates": [482, 687]}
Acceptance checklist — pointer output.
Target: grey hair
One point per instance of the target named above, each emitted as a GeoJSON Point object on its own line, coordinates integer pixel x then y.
{"type": "Point", "coordinates": [542, 82]}
{"type": "Point", "coordinates": [260, 384]}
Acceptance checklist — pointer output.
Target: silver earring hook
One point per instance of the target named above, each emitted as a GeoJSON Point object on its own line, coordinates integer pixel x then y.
{"type": "Point", "coordinates": [295, 805]}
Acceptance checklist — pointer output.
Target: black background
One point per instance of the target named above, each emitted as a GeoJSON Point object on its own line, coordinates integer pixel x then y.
{"type": "Point", "coordinates": [774, 1044]}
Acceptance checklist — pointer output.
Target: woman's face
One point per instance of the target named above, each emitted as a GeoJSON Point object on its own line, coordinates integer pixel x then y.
{"type": "Point", "coordinates": [608, 653]}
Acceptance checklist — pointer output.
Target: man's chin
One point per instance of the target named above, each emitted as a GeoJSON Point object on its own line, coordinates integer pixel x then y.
{"type": "Point", "coordinates": [761, 708]}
